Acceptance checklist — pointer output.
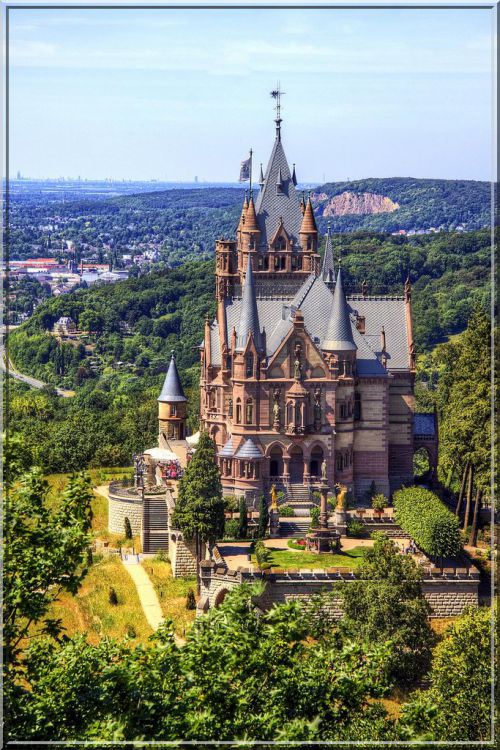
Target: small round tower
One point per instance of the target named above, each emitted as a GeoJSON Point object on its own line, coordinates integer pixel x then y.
{"type": "Point", "coordinates": [172, 406]}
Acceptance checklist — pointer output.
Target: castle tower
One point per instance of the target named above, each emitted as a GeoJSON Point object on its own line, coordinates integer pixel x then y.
{"type": "Point", "coordinates": [172, 406]}
{"type": "Point", "coordinates": [328, 268]}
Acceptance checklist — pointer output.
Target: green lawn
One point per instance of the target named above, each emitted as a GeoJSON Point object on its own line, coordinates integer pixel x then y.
{"type": "Point", "coordinates": [287, 558]}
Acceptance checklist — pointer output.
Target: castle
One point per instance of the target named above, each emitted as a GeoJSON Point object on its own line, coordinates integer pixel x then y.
{"type": "Point", "coordinates": [294, 373]}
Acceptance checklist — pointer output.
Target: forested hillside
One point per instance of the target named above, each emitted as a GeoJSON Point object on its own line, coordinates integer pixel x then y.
{"type": "Point", "coordinates": [184, 224]}
{"type": "Point", "coordinates": [422, 204]}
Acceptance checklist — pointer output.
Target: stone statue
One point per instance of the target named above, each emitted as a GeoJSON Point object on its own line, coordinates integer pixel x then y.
{"type": "Point", "coordinates": [297, 351]}
{"type": "Point", "coordinates": [317, 405]}
{"type": "Point", "coordinates": [323, 471]}
{"type": "Point", "coordinates": [341, 497]}
{"type": "Point", "coordinates": [364, 288]}
{"type": "Point", "coordinates": [276, 411]}
{"type": "Point", "coordinates": [274, 498]}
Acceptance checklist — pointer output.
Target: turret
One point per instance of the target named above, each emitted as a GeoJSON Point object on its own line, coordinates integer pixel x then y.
{"type": "Point", "coordinates": [249, 317]}
{"type": "Point", "coordinates": [172, 405]}
{"type": "Point", "coordinates": [328, 269]}
{"type": "Point", "coordinates": [338, 338]}
{"type": "Point", "coordinates": [308, 230]}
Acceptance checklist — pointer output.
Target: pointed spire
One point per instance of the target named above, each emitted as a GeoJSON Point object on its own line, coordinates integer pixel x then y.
{"type": "Point", "coordinates": [251, 217]}
{"type": "Point", "coordinates": [338, 336]}
{"type": "Point", "coordinates": [308, 222]}
{"type": "Point", "coordinates": [172, 386]}
{"type": "Point", "coordinates": [249, 317]}
{"type": "Point", "coordinates": [328, 270]}
{"type": "Point", "coordinates": [261, 178]}
{"type": "Point", "coordinates": [243, 212]}
{"type": "Point", "coordinates": [294, 176]}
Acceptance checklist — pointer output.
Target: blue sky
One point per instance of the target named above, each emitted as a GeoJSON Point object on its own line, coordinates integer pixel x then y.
{"type": "Point", "coordinates": [170, 94]}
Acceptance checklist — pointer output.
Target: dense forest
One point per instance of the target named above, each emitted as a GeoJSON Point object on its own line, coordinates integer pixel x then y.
{"type": "Point", "coordinates": [184, 224]}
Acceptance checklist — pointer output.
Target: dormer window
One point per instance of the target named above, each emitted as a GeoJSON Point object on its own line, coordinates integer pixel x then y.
{"type": "Point", "coordinates": [280, 244]}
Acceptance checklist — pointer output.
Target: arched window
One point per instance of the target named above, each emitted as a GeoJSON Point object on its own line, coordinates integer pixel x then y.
{"type": "Point", "coordinates": [339, 462]}
{"type": "Point", "coordinates": [357, 406]}
{"type": "Point", "coordinates": [249, 412]}
{"type": "Point", "coordinates": [343, 411]}
{"type": "Point", "coordinates": [173, 410]}
{"type": "Point", "coordinates": [280, 244]}
{"type": "Point", "coordinates": [238, 411]}
{"type": "Point", "coordinates": [249, 365]}
{"type": "Point", "coordinates": [310, 243]}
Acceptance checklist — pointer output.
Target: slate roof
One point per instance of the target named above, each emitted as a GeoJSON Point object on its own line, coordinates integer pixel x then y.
{"type": "Point", "coordinates": [228, 450]}
{"type": "Point", "coordinates": [273, 203]}
{"type": "Point", "coordinates": [424, 424]}
{"type": "Point", "coordinates": [314, 299]}
{"type": "Point", "coordinates": [249, 317]}
{"type": "Point", "coordinates": [172, 386]}
{"type": "Point", "coordinates": [249, 450]}
{"type": "Point", "coordinates": [338, 335]}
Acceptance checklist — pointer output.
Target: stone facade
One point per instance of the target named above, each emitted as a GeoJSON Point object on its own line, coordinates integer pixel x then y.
{"type": "Point", "coordinates": [447, 597]}
{"type": "Point", "coordinates": [121, 507]}
{"type": "Point", "coordinates": [182, 555]}
{"type": "Point", "coordinates": [295, 373]}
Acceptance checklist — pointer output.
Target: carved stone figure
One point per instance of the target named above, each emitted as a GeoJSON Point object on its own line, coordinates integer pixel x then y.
{"type": "Point", "coordinates": [274, 498]}
{"type": "Point", "coordinates": [317, 405]}
{"type": "Point", "coordinates": [341, 497]}
{"type": "Point", "coordinates": [323, 471]}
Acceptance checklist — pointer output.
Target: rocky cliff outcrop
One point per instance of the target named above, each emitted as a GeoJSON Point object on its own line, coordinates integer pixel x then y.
{"type": "Point", "coordinates": [354, 203]}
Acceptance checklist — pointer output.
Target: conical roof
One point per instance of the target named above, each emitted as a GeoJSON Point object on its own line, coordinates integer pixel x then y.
{"type": "Point", "coordinates": [273, 203]}
{"type": "Point", "coordinates": [338, 336]}
{"type": "Point", "coordinates": [251, 217]}
{"type": "Point", "coordinates": [249, 317]}
{"type": "Point", "coordinates": [328, 270]}
{"type": "Point", "coordinates": [249, 450]}
{"type": "Point", "coordinates": [172, 387]}
{"type": "Point", "coordinates": [308, 220]}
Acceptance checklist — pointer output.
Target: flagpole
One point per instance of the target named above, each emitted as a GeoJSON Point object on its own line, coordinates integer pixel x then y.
{"type": "Point", "coordinates": [251, 152]}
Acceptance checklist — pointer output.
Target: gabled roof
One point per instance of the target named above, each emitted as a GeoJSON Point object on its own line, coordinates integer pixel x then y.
{"type": "Point", "coordinates": [172, 386]}
{"type": "Point", "coordinates": [249, 317]}
{"type": "Point", "coordinates": [338, 336]}
{"type": "Point", "coordinates": [273, 204]}
{"type": "Point", "coordinates": [328, 270]}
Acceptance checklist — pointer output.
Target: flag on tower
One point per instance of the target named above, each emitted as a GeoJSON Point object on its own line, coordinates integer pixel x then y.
{"type": "Point", "coordinates": [246, 169]}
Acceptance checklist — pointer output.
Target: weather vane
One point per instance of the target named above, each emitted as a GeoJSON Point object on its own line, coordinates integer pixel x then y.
{"type": "Point", "coordinates": [277, 94]}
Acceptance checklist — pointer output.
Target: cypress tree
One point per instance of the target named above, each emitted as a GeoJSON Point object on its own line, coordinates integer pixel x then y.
{"type": "Point", "coordinates": [263, 518]}
{"type": "Point", "coordinates": [243, 522]}
{"type": "Point", "coordinates": [199, 510]}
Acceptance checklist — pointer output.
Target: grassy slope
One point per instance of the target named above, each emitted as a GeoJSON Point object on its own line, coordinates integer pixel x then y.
{"type": "Point", "coordinates": [171, 593]}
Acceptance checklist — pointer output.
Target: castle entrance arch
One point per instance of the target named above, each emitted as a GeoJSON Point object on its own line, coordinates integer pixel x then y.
{"type": "Point", "coordinates": [317, 456]}
{"type": "Point", "coordinates": [276, 462]}
{"type": "Point", "coordinates": [296, 465]}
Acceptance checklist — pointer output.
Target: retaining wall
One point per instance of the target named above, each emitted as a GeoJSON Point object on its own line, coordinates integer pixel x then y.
{"type": "Point", "coordinates": [447, 597]}
{"type": "Point", "coordinates": [120, 508]}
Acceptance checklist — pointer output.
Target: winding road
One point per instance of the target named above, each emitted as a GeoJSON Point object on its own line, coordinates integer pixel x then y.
{"type": "Point", "coordinates": [8, 367]}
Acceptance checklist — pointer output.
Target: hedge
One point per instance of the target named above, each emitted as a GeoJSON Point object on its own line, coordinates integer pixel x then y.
{"type": "Point", "coordinates": [431, 525]}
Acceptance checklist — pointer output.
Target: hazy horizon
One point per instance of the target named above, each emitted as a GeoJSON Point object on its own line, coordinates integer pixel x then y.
{"type": "Point", "coordinates": [167, 94]}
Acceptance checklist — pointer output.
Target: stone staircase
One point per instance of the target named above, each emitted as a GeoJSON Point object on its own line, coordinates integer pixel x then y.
{"type": "Point", "coordinates": [294, 527]}
{"type": "Point", "coordinates": [299, 498]}
{"type": "Point", "coordinates": [154, 524]}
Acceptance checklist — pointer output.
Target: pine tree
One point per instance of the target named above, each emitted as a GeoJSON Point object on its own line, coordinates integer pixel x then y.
{"type": "Point", "coordinates": [243, 522]}
{"type": "Point", "coordinates": [199, 510]}
{"type": "Point", "coordinates": [128, 528]}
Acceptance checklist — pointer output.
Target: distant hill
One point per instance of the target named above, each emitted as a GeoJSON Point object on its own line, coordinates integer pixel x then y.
{"type": "Point", "coordinates": [183, 224]}
{"type": "Point", "coordinates": [391, 204]}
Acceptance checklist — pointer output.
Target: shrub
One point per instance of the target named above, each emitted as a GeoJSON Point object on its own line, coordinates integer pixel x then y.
{"type": "Point", "coordinates": [314, 518]}
{"type": "Point", "coordinates": [162, 556]}
{"type": "Point", "coordinates": [112, 597]}
{"type": "Point", "coordinates": [190, 599]}
{"type": "Point", "coordinates": [379, 502]}
{"type": "Point", "coordinates": [297, 544]}
{"type": "Point", "coordinates": [231, 528]}
{"type": "Point", "coordinates": [128, 528]}
{"type": "Point", "coordinates": [287, 511]}
{"type": "Point", "coordinates": [262, 553]}
{"type": "Point", "coordinates": [433, 527]}
{"type": "Point", "coordinates": [243, 522]}
{"type": "Point", "coordinates": [230, 503]}
{"type": "Point", "coordinates": [371, 492]}
{"type": "Point", "coordinates": [355, 528]}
